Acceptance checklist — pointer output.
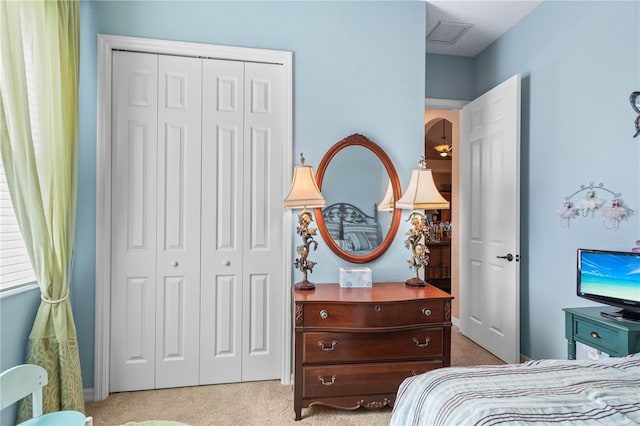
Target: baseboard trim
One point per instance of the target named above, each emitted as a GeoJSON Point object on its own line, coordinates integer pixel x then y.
{"type": "Point", "coordinates": [88, 394]}
{"type": "Point", "coordinates": [455, 321]}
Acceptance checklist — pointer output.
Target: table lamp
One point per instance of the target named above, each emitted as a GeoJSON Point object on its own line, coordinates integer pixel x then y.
{"type": "Point", "coordinates": [304, 194]}
{"type": "Point", "coordinates": [421, 194]}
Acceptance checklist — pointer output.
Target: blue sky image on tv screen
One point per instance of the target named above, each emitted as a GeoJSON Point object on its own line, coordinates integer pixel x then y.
{"type": "Point", "coordinates": [611, 275]}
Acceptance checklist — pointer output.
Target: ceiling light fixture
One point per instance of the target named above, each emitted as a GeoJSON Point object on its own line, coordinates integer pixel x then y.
{"type": "Point", "coordinates": [444, 148]}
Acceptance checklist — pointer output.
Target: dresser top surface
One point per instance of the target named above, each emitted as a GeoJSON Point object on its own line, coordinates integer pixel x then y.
{"type": "Point", "coordinates": [387, 292]}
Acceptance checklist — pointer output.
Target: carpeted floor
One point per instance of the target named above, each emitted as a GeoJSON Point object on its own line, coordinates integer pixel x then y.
{"type": "Point", "coordinates": [253, 403]}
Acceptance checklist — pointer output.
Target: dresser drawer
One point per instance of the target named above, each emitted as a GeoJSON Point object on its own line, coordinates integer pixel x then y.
{"type": "Point", "coordinates": [360, 379]}
{"type": "Point", "coordinates": [371, 315]}
{"type": "Point", "coordinates": [326, 347]}
{"type": "Point", "coordinates": [596, 335]}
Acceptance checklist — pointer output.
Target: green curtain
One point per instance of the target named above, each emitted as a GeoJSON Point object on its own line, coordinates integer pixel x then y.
{"type": "Point", "coordinates": [39, 72]}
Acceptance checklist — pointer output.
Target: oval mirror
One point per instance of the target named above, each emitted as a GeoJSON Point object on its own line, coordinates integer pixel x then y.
{"type": "Point", "coordinates": [354, 177]}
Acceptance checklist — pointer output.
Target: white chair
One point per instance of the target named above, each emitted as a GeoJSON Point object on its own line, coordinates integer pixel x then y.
{"type": "Point", "coordinates": [25, 379]}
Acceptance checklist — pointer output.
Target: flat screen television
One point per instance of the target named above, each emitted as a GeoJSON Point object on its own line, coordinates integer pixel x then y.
{"type": "Point", "coordinates": [611, 278]}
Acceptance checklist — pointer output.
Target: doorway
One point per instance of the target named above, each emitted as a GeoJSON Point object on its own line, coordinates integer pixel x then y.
{"type": "Point", "coordinates": [446, 174]}
{"type": "Point", "coordinates": [485, 174]}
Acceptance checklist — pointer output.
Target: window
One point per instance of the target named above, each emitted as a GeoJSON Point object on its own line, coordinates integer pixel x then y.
{"type": "Point", "coordinates": [15, 267]}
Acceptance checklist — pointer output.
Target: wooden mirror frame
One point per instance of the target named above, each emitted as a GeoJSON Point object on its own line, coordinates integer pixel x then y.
{"type": "Point", "coordinates": [363, 141]}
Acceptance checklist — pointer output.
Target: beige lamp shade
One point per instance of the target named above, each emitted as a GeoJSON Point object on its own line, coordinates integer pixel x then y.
{"type": "Point", "coordinates": [304, 190]}
{"type": "Point", "coordinates": [387, 203]}
{"type": "Point", "coordinates": [422, 193]}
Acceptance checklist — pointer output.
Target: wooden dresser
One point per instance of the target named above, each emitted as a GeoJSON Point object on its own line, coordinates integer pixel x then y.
{"type": "Point", "coordinates": [354, 346]}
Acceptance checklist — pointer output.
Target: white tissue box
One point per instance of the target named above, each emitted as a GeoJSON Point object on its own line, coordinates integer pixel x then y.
{"type": "Point", "coordinates": [355, 277]}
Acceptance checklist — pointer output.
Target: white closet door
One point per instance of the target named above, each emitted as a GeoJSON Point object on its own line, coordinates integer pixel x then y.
{"type": "Point", "coordinates": [222, 221]}
{"type": "Point", "coordinates": [197, 252]}
{"type": "Point", "coordinates": [178, 245]}
{"type": "Point", "coordinates": [262, 226]}
{"type": "Point", "coordinates": [133, 203]}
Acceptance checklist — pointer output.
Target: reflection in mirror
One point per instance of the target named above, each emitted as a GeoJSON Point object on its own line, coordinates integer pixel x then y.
{"type": "Point", "coordinates": [354, 176]}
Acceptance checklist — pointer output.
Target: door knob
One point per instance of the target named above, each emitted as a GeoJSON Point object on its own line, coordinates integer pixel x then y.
{"type": "Point", "coordinates": [226, 262]}
{"type": "Point", "coordinates": [174, 263]}
{"type": "Point", "coordinates": [509, 257]}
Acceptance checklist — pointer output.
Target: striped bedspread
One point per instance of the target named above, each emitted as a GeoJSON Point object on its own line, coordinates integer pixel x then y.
{"type": "Point", "coordinates": [548, 392]}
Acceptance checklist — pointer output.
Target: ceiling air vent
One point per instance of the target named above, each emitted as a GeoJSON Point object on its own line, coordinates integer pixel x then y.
{"type": "Point", "coordinates": [446, 32]}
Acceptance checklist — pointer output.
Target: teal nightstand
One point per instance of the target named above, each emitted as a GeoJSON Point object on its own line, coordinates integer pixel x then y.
{"type": "Point", "coordinates": [615, 337]}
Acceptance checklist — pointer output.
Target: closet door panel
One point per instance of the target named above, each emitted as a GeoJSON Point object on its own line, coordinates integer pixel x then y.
{"type": "Point", "coordinates": [133, 203]}
{"type": "Point", "coordinates": [262, 243]}
{"type": "Point", "coordinates": [178, 226]}
{"type": "Point", "coordinates": [223, 214]}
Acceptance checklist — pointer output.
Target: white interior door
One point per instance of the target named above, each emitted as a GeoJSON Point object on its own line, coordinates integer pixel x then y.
{"type": "Point", "coordinates": [243, 124]}
{"type": "Point", "coordinates": [197, 221]}
{"type": "Point", "coordinates": [222, 224]}
{"type": "Point", "coordinates": [262, 233]}
{"type": "Point", "coordinates": [490, 220]}
{"type": "Point", "coordinates": [178, 227]}
{"type": "Point", "coordinates": [127, 218]}
{"type": "Point", "coordinates": [133, 205]}
{"type": "Point", "coordinates": [156, 221]}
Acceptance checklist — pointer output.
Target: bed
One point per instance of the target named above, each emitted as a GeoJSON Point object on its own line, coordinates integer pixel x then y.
{"type": "Point", "coordinates": [351, 229]}
{"type": "Point", "coordinates": [535, 392]}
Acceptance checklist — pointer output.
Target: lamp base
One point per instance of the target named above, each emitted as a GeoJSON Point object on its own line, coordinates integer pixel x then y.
{"type": "Point", "coordinates": [415, 282]}
{"type": "Point", "coordinates": [304, 285]}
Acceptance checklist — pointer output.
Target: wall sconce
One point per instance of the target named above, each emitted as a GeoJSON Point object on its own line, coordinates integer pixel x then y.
{"type": "Point", "coordinates": [421, 194]}
{"type": "Point", "coordinates": [304, 194]}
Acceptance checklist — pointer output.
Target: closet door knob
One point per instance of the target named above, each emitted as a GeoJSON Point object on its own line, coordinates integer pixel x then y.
{"type": "Point", "coordinates": [174, 263]}
{"type": "Point", "coordinates": [226, 262]}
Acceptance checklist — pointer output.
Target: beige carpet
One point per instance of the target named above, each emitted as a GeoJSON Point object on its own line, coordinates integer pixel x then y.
{"type": "Point", "coordinates": [254, 403]}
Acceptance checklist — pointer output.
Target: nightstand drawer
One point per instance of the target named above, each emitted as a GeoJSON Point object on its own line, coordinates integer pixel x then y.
{"type": "Point", "coordinates": [324, 347]}
{"type": "Point", "coordinates": [372, 315]}
{"type": "Point", "coordinates": [360, 379]}
{"type": "Point", "coordinates": [596, 335]}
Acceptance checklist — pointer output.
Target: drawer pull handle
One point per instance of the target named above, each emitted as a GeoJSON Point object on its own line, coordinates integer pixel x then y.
{"type": "Point", "coordinates": [414, 373]}
{"type": "Point", "coordinates": [595, 335]}
{"type": "Point", "coordinates": [426, 312]}
{"type": "Point", "coordinates": [378, 308]}
{"type": "Point", "coordinates": [421, 345]}
{"type": "Point", "coordinates": [327, 348]}
{"type": "Point", "coordinates": [324, 314]}
{"type": "Point", "coordinates": [321, 379]}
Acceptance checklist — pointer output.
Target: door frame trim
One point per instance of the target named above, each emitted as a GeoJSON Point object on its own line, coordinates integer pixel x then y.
{"type": "Point", "coordinates": [106, 45]}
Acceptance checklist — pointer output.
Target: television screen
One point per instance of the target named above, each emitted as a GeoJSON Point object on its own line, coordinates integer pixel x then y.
{"type": "Point", "coordinates": [610, 277]}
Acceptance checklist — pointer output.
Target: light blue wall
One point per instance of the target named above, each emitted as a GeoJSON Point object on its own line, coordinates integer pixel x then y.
{"type": "Point", "coordinates": [449, 77]}
{"type": "Point", "coordinates": [358, 68]}
{"type": "Point", "coordinates": [579, 61]}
